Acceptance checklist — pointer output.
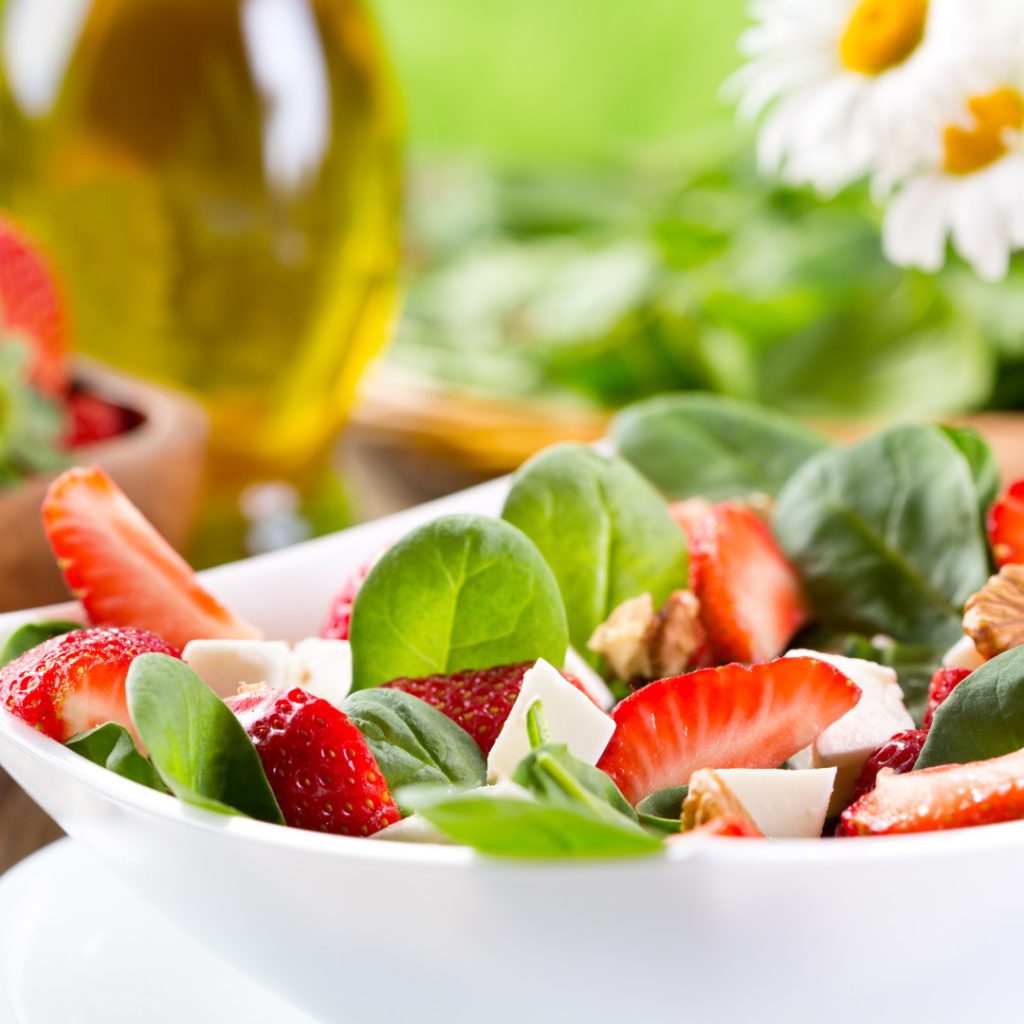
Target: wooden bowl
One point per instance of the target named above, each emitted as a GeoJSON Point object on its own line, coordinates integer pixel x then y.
{"type": "Point", "coordinates": [158, 463]}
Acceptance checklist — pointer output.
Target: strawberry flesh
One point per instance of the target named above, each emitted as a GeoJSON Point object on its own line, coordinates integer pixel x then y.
{"type": "Point", "coordinates": [75, 682]}
{"type": "Point", "coordinates": [944, 797]}
{"type": "Point", "coordinates": [122, 570]}
{"type": "Point", "coordinates": [320, 768]}
{"type": "Point", "coordinates": [1005, 522]}
{"type": "Point", "coordinates": [750, 597]}
{"type": "Point", "coordinates": [726, 717]}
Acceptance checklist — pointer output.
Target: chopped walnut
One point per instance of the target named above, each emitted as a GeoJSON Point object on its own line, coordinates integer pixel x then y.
{"type": "Point", "coordinates": [994, 616]}
{"type": "Point", "coordinates": [640, 643]}
{"type": "Point", "coordinates": [709, 798]}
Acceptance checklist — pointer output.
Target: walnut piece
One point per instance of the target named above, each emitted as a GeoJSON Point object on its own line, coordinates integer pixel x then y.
{"type": "Point", "coordinates": [994, 616]}
{"type": "Point", "coordinates": [709, 798]}
{"type": "Point", "coordinates": [640, 643]}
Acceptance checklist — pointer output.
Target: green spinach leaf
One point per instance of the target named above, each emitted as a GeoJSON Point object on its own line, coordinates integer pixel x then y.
{"type": "Point", "coordinates": [886, 535]}
{"type": "Point", "coordinates": [415, 743]}
{"type": "Point", "coordinates": [111, 746]}
{"type": "Point", "coordinates": [200, 750]}
{"type": "Point", "coordinates": [32, 635]}
{"type": "Point", "coordinates": [982, 718]}
{"type": "Point", "coordinates": [663, 809]}
{"type": "Point", "coordinates": [463, 591]}
{"type": "Point", "coordinates": [604, 530]}
{"type": "Point", "coordinates": [982, 462]}
{"type": "Point", "coordinates": [712, 446]}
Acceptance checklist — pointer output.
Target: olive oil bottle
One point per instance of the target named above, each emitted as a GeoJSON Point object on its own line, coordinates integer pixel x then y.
{"type": "Point", "coordinates": [218, 183]}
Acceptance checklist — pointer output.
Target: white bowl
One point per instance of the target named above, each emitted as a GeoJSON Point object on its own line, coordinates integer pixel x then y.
{"type": "Point", "coordinates": [354, 931]}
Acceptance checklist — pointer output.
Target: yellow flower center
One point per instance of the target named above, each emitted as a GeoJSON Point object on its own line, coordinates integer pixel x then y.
{"type": "Point", "coordinates": [882, 33]}
{"type": "Point", "coordinates": [971, 149]}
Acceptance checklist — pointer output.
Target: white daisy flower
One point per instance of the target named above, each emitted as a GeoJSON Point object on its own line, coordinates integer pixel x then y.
{"type": "Point", "coordinates": [838, 82]}
{"type": "Point", "coordinates": [972, 193]}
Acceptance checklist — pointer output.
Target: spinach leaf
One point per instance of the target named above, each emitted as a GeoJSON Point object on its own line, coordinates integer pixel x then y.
{"type": "Point", "coordinates": [712, 446]}
{"type": "Point", "coordinates": [415, 743]}
{"type": "Point", "coordinates": [509, 827]}
{"type": "Point", "coordinates": [983, 717]}
{"type": "Point", "coordinates": [982, 462]}
{"type": "Point", "coordinates": [32, 635]}
{"type": "Point", "coordinates": [111, 746]}
{"type": "Point", "coordinates": [604, 530]}
{"type": "Point", "coordinates": [200, 750]}
{"type": "Point", "coordinates": [464, 591]}
{"type": "Point", "coordinates": [886, 535]}
{"type": "Point", "coordinates": [663, 809]}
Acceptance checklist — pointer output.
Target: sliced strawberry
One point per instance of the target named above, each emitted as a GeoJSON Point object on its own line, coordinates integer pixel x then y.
{"type": "Point", "coordinates": [947, 796]}
{"type": "Point", "coordinates": [751, 603]}
{"type": "Point", "coordinates": [339, 616]}
{"type": "Point", "coordinates": [479, 700]}
{"type": "Point", "coordinates": [899, 754]}
{"type": "Point", "coordinates": [320, 768]}
{"type": "Point", "coordinates": [74, 682]}
{"type": "Point", "coordinates": [690, 513]}
{"type": "Point", "coordinates": [1005, 524]}
{"type": "Point", "coordinates": [729, 825]}
{"type": "Point", "coordinates": [727, 717]}
{"type": "Point", "coordinates": [122, 570]}
{"type": "Point", "coordinates": [942, 684]}
{"type": "Point", "coordinates": [31, 309]}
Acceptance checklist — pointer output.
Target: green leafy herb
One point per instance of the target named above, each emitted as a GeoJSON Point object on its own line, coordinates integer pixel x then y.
{"type": "Point", "coordinates": [712, 446]}
{"type": "Point", "coordinates": [415, 743]}
{"type": "Point", "coordinates": [461, 592]}
{"type": "Point", "coordinates": [510, 827]}
{"type": "Point", "coordinates": [32, 635]}
{"type": "Point", "coordinates": [111, 746]}
{"type": "Point", "coordinates": [604, 530]}
{"type": "Point", "coordinates": [663, 809]}
{"type": "Point", "coordinates": [982, 462]}
{"type": "Point", "coordinates": [200, 750]}
{"type": "Point", "coordinates": [886, 535]}
{"type": "Point", "coordinates": [982, 718]}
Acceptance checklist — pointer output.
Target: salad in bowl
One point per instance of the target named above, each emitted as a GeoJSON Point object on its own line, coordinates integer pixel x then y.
{"type": "Point", "coordinates": [717, 627]}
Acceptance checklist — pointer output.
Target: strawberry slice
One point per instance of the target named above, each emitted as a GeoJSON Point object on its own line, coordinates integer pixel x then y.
{"type": "Point", "coordinates": [122, 570]}
{"type": "Point", "coordinates": [322, 771]}
{"type": "Point", "coordinates": [726, 717]}
{"type": "Point", "coordinates": [74, 682]}
{"type": "Point", "coordinates": [751, 603]}
{"type": "Point", "coordinates": [947, 796]}
{"type": "Point", "coordinates": [31, 309]}
{"type": "Point", "coordinates": [729, 825]}
{"type": "Point", "coordinates": [339, 616]}
{"type": "Point", "coordinates": [1005, 524]}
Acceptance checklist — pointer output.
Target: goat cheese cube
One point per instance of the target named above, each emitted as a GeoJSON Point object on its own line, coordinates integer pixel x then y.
{"type": "Point", "coordinates": [576, 665]}
{"type": "Point", "coordinates": [224, 665]}
{"type": "Point", "coordinates": [572, 717]}
{"type": "Point", "coordinates": [322, 668]}
{"type": "Point", "coordinates": [784, 804]}
{"type": "Point", "coordinates": [963, 654]}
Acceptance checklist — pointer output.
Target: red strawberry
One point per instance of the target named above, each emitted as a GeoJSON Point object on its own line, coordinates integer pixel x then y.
{"type": "Point", "coordinates": [74, 682]}
{"type": "Point", "coordinates": [898, 753]}
{"type": "Point", "coordinates": [750, 598]}
{"type": "Point", "coordinates": [943, 683]}
{"type": "Point", "coordinates": [31, 309]}
{"type": "Point", "coordinates": [947, 796]}
{"type": "Point", "coordinates": [727, 717]}
{"type": "Point", "coordinates": [477, 699]}
{"type": "Point", "coordinates": [1005, 524]}
{"type": "Point", "coordinates": [690, 513]}
{"type": "Point", "coordinates": [93, 419]}
{"type": "Point", "coordinates": [320, 768]}
{"type": "Point", "coordinates": [731, 825]}
{"type": "Point", "coordinates": [339, 615]}
{"type": "Point", "coordinates": [122, 570]}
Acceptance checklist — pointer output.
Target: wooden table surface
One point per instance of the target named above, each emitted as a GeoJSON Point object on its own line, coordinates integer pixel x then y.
{"type": "Point", "coordinates": [384, 480]}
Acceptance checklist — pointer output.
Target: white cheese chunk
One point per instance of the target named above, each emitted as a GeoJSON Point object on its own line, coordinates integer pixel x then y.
{"type": "Point", "coordinates": [322, 668]}
{"type": "Point", "coordinates": [849, 742]}
{"type": "Point", "coordinates": [963, 654]}
{"type": "Point", "coordinates": [784, 804]}
{"type": "Point", "coordinates": [224, 665]}
{"type": "Point", "coordinates": [576, 665]}
{"type": "Point", "coordinates": [571, 715]}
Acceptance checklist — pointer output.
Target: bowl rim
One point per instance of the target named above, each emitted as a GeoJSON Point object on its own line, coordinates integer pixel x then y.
{"type": "Point", "coordinates": [138, 799]}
